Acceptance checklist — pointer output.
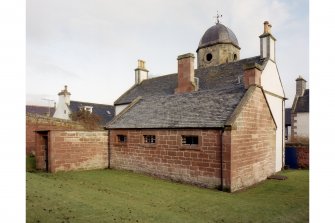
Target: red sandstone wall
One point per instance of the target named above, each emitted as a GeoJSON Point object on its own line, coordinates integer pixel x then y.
{"type": "Point", "coordinates": [78, 150]}
{"type": "Point", "coordinates": [249, 148]}
{"type": "Point", "coordinates": [38, 122]}
{"type": "Point", "coordinates": [72, 150]}
{"type": "Point", "coordinates": [168, 158]}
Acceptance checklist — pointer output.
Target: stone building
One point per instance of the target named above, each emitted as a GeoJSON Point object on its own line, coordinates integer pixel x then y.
{"type": "Point", "coordinates": [300, 110]}
{"type": "Point", "coordinates": [220, 125]}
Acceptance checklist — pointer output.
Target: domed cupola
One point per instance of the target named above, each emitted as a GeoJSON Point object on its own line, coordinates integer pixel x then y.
{"type": "Point", "coordinates": [217, 46]}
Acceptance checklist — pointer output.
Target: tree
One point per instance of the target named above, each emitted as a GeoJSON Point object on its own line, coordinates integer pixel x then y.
{"type": "Point", "coordinates": [88, 119]}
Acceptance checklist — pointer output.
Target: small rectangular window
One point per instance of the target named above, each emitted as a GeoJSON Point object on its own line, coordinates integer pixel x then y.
{"type": "Point", "coordinates": [190, 140]}
{"type": "Point", "coordinates": [121, 138]}
{"type": "Point", "coordinates": [149, 139]}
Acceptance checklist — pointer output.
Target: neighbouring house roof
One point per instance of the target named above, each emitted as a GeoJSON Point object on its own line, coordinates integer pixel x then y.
{"type": "Point", "coordinates": [287, 116]}
{"type": "Point", "coordinates": [40, 110]}
{"type": "Point", "coordinates": [210, 78]}
{"type": "Point", "coordinates": [200, 109]}
{"type": "Point", "coordinates": [106, 112]}
{"type": "Point", "coordinates": [303, 103]}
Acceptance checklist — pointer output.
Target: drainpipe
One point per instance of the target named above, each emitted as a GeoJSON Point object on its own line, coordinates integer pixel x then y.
{"type": "Point", "coordinates": [221, 134]}
{"type": "Point", "coordinates": [109, 150]}
{"type": "Point", "coordinates": [282, 134]}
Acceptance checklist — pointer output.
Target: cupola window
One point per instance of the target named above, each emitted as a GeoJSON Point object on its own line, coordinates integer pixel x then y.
{"type": "Point", "coordinates": [209, 57]}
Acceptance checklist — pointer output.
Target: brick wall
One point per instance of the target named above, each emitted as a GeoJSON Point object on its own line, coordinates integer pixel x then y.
{"type": "Point", "coordinates": [38, 122]}
{"type": "Point", "coordinates": [168, 158]}
{"type": "Point", "coordinates": [303, 156]}
{"type": "Point", "coordinates": [249, 147]}
{"type": "Point", "coordinates": [73, 150]}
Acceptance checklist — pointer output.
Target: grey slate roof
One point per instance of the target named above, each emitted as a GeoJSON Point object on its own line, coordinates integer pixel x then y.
{"type": "Point", "coordinates": [105, 112]}
{"type": "Point", "coordinates": [40, 110]}
{"type": "Point", "coordinates": [200, 109]}
{"type": "Point", "coordinates": [287, 116]}
{"type": "Point", "coordinates": [217, 34]}
{"type": "Point", "coordinates": [217, 77]}
{"type": "Point", "coordinates": [303, 102]}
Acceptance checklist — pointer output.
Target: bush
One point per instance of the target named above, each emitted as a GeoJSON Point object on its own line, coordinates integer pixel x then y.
{"type": "Point", "coordinates": [89, 120]}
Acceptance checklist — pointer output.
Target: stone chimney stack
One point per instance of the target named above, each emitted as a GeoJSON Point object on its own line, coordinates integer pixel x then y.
{"type": "Point", "coordinates": [252, 75]}
{"type": "Point", "coordinates": [300, 86]}
{"type": "Point", "coordinates": [64, 95]}
{"type": "Point", "coordinates": [141, 73]}
{"type": "Point", "coordinates": [268, 50]}
{"type": "Point", "coordinates": [186, 82]}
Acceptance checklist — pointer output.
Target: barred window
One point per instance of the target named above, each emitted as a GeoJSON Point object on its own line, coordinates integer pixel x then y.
{"type": "Point", "coordinates": [149, 139]}
{"type": "Point", "coordinates": [190, 140]}
{"type": "Point", "coordinates": [121, 138]}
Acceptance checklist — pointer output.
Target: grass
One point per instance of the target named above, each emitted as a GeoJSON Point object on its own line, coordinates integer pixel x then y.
{"type": "Point", "coordinates": [121, 196]}
{"type": "Point", "coordinates": [30, 164]}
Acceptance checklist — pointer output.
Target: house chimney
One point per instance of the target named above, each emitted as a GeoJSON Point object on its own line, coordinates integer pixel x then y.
{"type": "Point", "coordinates": [141, 73]}
{"type": "Point", "coordinates": [252, 75]}
{"type": "Point", "coordinates": [64, 95]}
{"type": "Point", "coordinates": [300, 86]}
{"type": "Point", "coordinates": [267, 43]}
{"type": "Point", "coordinates": [186, 82]}
{"type": "Point", "coordinates": [62, 110]}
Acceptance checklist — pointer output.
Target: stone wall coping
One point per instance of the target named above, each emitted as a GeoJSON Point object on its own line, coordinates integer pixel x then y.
{"type": "Point", "coordinates": [296, 144]}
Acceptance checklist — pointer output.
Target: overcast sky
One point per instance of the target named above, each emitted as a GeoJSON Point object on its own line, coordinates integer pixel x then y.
{"type": "Point", "coordinates": [93, 46]}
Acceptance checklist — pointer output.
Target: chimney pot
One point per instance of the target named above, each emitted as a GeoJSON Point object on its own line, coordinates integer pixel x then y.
{"type": "Point", "coordinates": [267, 27]}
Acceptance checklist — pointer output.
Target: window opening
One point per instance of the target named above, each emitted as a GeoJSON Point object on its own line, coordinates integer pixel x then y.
{"type": "Point", "coordinates": [149, 139]}
{"type": "Point", "coordinates": [209, 57]}
{"type": "Point", "coordinates": [121, 138]}
{"type": "Point", "coordinates": [190, 140]}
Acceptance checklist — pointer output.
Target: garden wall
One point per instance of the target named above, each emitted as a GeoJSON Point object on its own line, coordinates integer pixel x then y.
{"type": "Point", "coordinates": [297, 155]}
{"type": "Point", "coordinates": [73, 150]}
{"type": "Point", "coordinates": [38, 122]}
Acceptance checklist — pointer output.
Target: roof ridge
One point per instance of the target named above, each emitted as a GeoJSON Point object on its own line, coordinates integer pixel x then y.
{"type": "Point", "coordinates": [90, 103]}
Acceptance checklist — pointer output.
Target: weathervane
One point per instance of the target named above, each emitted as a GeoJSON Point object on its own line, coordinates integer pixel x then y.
{"type": "Point", "coordinates": [217, 17]}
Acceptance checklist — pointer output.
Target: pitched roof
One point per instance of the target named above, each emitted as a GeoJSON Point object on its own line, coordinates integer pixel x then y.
{"type": "Point", "coordinates": [40, 110]}
{"type": "Point", "coordinates": [200, 109]}
{"type": "Point", "coordinates": [106, 112]}
{"type": "Point", "coordinates": [217, 77]}
{"type": "Point", "coordinates": [287, 116]}
{"type": "Point", "coordinates": [303, 102]}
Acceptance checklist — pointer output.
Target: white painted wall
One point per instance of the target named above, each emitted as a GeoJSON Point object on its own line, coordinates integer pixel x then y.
{"type": "Point", "coordinates": [275, 104]}
{"type": "Point", "coordinates": [289, 133]}
{"type": "Point", "coordinates": [302, 124]}
{"type": "Point", "coordinates": [271, 83]}
{"type": "Point", "coordinates": [270, 79]}
{"type": "Point", "coordinates": [119, 108]}
{"type": "Point", "coordinates": [62, 110]}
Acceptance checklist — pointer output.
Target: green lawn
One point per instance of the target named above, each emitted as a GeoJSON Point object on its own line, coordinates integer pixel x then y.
{"type": "Point", "coordinates": [121, 196]}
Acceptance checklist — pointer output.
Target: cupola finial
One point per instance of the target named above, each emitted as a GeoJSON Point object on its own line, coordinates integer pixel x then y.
{"type": "Point", "coordinates": [217, 17]}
